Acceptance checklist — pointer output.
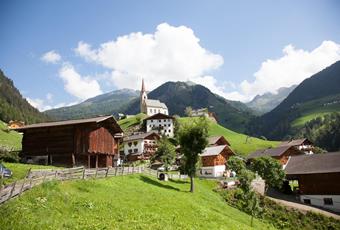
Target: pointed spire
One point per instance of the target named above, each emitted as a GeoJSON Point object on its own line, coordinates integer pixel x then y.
{"type": "Point", "coordinates": [143, 87]}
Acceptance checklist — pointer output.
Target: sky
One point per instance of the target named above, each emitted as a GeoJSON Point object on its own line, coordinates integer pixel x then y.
{"type": "Point", "coordinates": [59, 53]}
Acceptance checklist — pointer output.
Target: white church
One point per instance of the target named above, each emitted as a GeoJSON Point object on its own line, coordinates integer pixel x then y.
{"type": "Point", "coordinates": [151, 107]}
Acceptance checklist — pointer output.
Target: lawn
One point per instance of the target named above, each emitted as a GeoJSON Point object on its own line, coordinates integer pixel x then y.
{"type": "Point", "coordinates": [131, 121]}
{"type": "Point", "coordinates": [238, 141]}
{"type": "Point", "coordinates": [20, 170]}
{"type": "Point", "coordinates": [128, 202]}
{"type": "Point", "coordinates": [9, 138]}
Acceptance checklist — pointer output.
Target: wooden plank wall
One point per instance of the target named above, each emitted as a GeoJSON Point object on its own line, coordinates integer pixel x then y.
{"type": "Point", "coordinates": [318, 184]}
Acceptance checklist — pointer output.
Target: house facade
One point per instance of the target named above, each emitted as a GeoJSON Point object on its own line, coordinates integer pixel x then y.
{"type": "Point", "coordinates": [214, 159]}
{"type": "Point", "coordinates": [161, 123]}
{"type": "Point", "coordinates": [92, 142]}
{"type": "Point", "coordinates": [151, 107]}
{"type": "Point", "coordinates": [303, 145]}
{"type": "Point", "coordinates": [318, 177]}
{"type": "Point", "coordinates": [140, 146]}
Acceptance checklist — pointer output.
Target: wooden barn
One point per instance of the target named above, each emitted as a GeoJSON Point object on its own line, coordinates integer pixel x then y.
{"type": "Point", "coordinates": [90, 142]}
{"type": "Point", "coordinates": [280, 153]}
{"type": "Point", "coordinates": [318, 176]}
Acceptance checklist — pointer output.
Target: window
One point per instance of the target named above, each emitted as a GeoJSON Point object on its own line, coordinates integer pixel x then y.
{"type": "Point", "coordinates": [159, 120]}
{"type": "Point", "coordinates": [150, 110]}
{"type": "Point", "coordinates": [164, 120]}
{"type": "Point", "coordinates": [306, 201]}
{"type": "Point", "coordinates": [130, 151]}
{"type": "Point", "coordinates": [129, 144]}
{"type": "Point", "coordinates": [135, 143]}
{"type": "Point", "coordinates": [135, 150]}
{"type": "Point", "coordinates": [328, 201]}
{"type": "Point", "coordinates": [169, 125]}
{"type": "Point", "coordinates": [155, 110]}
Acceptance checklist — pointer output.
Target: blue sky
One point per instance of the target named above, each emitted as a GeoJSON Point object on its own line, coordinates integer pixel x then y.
{"type": "Point", "coordinates": [236, 48]}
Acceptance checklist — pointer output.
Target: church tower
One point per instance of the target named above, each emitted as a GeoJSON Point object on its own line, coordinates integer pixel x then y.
{"type": "Point", "coordinates": [143, 97]}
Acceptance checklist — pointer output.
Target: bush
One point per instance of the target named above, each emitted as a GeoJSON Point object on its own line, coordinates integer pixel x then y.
{"type": "Point", "coordinates": [8, 155]}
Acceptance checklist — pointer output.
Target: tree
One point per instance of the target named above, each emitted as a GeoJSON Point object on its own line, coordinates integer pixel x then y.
{"type": "Point", "coordinates": [193, 140]}
{"type": "Point", "coordinates": [236, 164]}
{"type": "Point", "coordinates": [188, 111]}
{"type": "Point", "coordinates": [270, 170]}
{"type": "Point", "coordinates": [165, 153]}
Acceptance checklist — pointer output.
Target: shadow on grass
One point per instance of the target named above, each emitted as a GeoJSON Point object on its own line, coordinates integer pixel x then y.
{"type": "Point", "coordinates": [156, 183]}
{"type": "Point", "coordinates": [179, 181]}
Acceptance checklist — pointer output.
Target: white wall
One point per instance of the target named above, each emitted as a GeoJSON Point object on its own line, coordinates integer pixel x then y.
{"type": "Point", "coordinates": [318, 200]}
{"type": "Point", "coordinates": [167, 124]}
{"type": "Point", "coordinates": [139, 146]}
{"type": "Point", "coordinates": [212, 171]}
{"type": "Point", "coordinates": [154, 110]}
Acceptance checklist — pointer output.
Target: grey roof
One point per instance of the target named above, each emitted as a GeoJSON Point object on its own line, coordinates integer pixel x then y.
{"type": "Point", "coordinates": [213, 150]}
{"type": "Point", "coordinates": [294, 142]}
{"type": "Point", "coordinates": [138, 136]}
{"type": "Point", "coordinates": [155, 103]}
{"type": "Point", "coordinates": [69, 122]}
{"type": "Point", "coordinates": [314, 163]}
{"type": "Point", "coordinates": [272, 152]}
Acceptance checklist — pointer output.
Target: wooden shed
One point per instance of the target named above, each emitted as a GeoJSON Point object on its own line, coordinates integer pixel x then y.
{"type": "Point", "coordinates": [90, 142]}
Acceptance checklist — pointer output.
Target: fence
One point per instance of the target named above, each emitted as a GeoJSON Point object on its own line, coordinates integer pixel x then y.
{"type": "Point", "coordinates": [37, 177]}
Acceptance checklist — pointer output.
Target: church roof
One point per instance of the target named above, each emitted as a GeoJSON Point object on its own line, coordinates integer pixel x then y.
{"type": "Point", "coordinates": [155, 103]}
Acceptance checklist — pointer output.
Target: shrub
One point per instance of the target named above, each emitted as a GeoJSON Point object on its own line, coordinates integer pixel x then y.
{"type": "Point", "coordinates": [8, 155]}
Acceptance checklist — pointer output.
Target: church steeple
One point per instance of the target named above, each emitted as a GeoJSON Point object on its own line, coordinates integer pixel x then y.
{"type": "Point", "coordinates": [143, 97]}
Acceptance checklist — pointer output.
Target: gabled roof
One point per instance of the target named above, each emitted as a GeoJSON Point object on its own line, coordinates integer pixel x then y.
{"type": "Point", "coordinates": [213, 150]}
{"type": "Point", "coordinates": [314, 163]}
{"type": "Point", "coordinates": [295, 142]}
{"type": "Point", "coordinates": [273, 152]}
{"type": "Point", "coordinates": [213, 140]}
{"type": "Point", "coordinates": [159, 116]}
{"type": "Point", "coordinates": [155, 103]}
{"type": "Point", "coordinates": [139, 136]}
{"type": "Point", "coordinates": [72, 122]}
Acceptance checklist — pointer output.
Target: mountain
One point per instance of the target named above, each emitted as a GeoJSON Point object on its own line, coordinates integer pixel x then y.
{"type": "Point", "coordinates": [179, 95]}
{"type": "Point", "coordinates": [314, 97]}
{"type": "Point", "coordinates": [176, 95]}
{"type": "Point", "coordinates": [268, 101]}
{"type": "Point", "coordinates": [13, 106]}
{"type": "Point", "coordinates": [108, 103]}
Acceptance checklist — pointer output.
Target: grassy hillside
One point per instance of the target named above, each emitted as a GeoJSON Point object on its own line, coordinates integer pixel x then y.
{"type": "Point", "coordinates": [131, 121]}
{"type": "Point", "coordinates": [129, 202]}
{"type": "Point", "coordinates": [238, 141]}
{"type": "Point", "coordinates": [10, 139]}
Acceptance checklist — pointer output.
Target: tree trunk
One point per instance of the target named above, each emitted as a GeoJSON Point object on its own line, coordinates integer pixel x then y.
{"type": "Point", "coordinates": [191, 184]}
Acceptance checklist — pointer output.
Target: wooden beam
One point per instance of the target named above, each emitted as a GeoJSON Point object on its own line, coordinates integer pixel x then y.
{"type": "Point", "coordinates": [97, 161]}
{"type": "Point", "coordinates": [88, 161]}
{"type": "Point", "coordinates": [73, 160]}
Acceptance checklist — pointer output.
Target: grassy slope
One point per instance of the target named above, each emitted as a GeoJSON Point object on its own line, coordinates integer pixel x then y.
{"type": "Point", "coordinates": [10, 139]}
{"type": "Point", "coordinates": [237, 140]}
{"type": "Point", "coordinates": [317, 108]}
{"type": "Point", "coordinates": [131, 121]}
{"type": "Point", "coordinates": [129, 202]}
{"type": "Point", "coordinates": [20, 170]}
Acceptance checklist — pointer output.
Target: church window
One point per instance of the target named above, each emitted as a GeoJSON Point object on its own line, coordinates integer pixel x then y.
{"type": "Point", "coordinates": [159, 120]}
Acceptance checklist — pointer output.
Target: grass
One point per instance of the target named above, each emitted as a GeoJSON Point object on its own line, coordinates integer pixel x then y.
{"type": "Point", "coordinates": [131, 121]}
{"type": "Point", "coordinates": [9, 138]}
{"type": "Point", "coordinates": [308, 117]}
{"type": "Point", "coordinates": [238, 141]}
{"type": "Point", "coordinates": [129, 202]}
{"type": "Point", "coordinates": [20, 170]}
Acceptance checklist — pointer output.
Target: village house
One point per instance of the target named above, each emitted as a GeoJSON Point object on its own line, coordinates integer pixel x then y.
{"type": "Point", "coordinates": [282, 153]}
{"type": "Point", "coordinates": [92, 142]}
{"type": "Point", "coordinates": [214, 159]}
{"type": "Point", "coordinates": [303, 144]}
{"type": "Point", "coordinates": [140, 146]}
{"type": "Point", "coordinates": [318, 177]}
{"type": "Point", "coordinates": [15, 124]}
{"type": "Point", "coordinates": [151, 107]}
{"type": "Point", "coordinates": [203, 112]}
{"type": "Point", "coordinates": [161, 123]}
{"type": "Point", "coordinates": [217, 140]}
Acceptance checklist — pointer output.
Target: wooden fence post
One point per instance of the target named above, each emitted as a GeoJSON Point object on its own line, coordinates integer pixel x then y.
{"type": "Point", "coordinates": [133, 169]}
{"type": "Point", "coordinates": [123, 171]}
{"type": "Point", "coordinates": [96, 173]}
{"type": "Point", "coordinates": [83, 173]}
{"type": "Point", "coordinates": [107, 171]}
{"type": "Point", "coordinates": [23, 183]}
{"type": "Point", "coordinates": [44, 176]}
{"type": "Point", "coordinates": [12, 190]}
{"type": "Point", "coordinates": [116, 170]}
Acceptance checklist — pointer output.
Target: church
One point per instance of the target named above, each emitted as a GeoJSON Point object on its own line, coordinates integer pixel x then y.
{"type": "Point", "coordinates": [151, 107]}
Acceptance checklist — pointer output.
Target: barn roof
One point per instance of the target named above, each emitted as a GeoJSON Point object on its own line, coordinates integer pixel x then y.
{"type": "Point", "coordinates": [159, 116]}
{"type": "Point", "coordinates": [155, 103]}
{"type": "Point", "coordinates": [314, 163]}
{"type": "Point", "coordinates": [294, 142]}
{"type": "Point", "coordinates": [213, 140]}
{"type": "Point", "coordinates": [71, 122]}
{"type": "Point", "coordinates": [213, 150]}
{"type": "Point", "coordinates": [139, 136]}
{"type": "Point", "coordinates": [272, 152]}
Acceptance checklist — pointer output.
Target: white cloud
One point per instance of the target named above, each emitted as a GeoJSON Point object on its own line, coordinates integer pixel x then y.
{"type": "Point", "coordinates": [51, 57]}
{"type": "Point", "coordinates": [171, 53]}
{"type": "Point", "coordinates": [76, 85]}
{"type": "Point", "coordinates": [292, 68]}
{"type": "Point", "coordinates": [46, 104]}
